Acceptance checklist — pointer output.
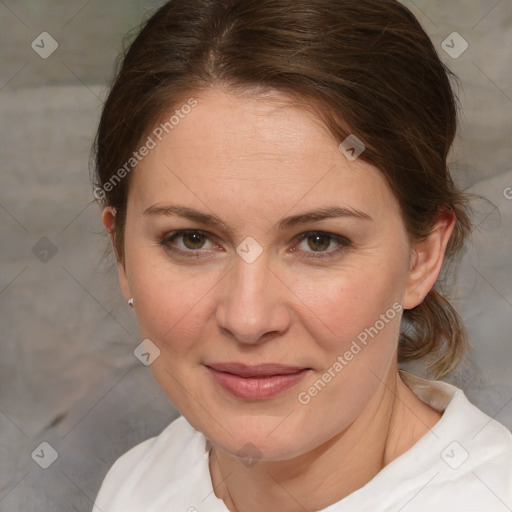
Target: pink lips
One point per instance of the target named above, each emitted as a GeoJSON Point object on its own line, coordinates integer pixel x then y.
{"type": "Point", "coordinates": [256, 382]}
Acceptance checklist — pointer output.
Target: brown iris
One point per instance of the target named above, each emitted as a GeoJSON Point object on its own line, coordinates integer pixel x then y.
{"type": "Point", "coordinates": [193, 241]}
{"type": "Point", "coordinates": [319, 242]}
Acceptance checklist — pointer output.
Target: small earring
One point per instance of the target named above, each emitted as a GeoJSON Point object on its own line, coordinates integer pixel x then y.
{"type": "Point", "coordinates": [130, 302]}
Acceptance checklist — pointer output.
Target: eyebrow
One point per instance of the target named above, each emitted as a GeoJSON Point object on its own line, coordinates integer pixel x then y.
{"type": "Point", "coordinates": [330, 212]}
{"type": "Point", "coordinates": [212, 220]}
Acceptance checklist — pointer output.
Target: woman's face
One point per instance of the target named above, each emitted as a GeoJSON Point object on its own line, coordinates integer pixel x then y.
{"type": "Point", "coordinates": [242, 292]}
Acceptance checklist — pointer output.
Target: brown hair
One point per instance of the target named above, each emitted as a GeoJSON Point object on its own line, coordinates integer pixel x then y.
{"type": "Point", "coordinates": [365, 67]}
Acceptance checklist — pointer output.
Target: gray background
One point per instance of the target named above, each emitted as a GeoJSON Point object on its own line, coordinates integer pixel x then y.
{"type": "Point", "coordinates": [68, 375]}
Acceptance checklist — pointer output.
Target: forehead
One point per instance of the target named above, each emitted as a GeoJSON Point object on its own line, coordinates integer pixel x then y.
{"type": "Point", "coordinates": [254, 147]}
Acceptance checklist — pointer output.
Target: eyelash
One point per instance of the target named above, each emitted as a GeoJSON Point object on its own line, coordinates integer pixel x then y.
{"type": "Point", "coordinates": [343, 242]}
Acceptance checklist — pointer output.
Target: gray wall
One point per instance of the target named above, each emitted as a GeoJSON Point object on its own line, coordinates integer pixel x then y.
{"type": "Point", "coordinates": [68, 375]}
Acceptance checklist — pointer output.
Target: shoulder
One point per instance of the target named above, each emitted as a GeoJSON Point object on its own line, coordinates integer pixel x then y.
{"type": "Point", "coordinates": [479, 444]}
{"type": "Point", "coordinates": [467, 455]}
{"type": "Point", "coordinates": [171, 444]}
{"type": "Point", "coordinates": [152, 466]}
{"type": "Point", "coordinates": [475, 466]}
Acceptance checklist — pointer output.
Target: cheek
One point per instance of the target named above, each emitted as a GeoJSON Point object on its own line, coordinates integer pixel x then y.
{"type": "Point", "coordinates": [344, 304]}
{"type": "Point", "coordinates": [173, 310]}
{"type": "Point", "coordinates": [173, 303]}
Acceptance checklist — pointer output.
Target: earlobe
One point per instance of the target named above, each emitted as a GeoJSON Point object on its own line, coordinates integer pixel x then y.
{"type": "Point", "coordinates": [427, 257]}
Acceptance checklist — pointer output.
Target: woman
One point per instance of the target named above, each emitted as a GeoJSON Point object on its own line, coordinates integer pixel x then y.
{"type": "Point", "coordinates": [274, 180]}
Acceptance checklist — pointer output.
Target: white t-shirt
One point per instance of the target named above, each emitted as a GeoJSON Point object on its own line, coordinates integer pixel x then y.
{"type": "Point", "coordinates": [464, 464]}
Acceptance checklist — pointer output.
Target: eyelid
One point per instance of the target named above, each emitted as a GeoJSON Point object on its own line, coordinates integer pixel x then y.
{"type": "Point", "coordinates": [307, 234]}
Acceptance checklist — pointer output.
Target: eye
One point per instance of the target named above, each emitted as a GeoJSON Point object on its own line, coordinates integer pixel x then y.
{"type": "Point", "coordinates": [189, 243]}
{"type": "Point", "coordinates": [198, 244]}
{"type": "Point", "coordinates": [318, 244]}
{"type": "Point", "coordinates": [193, 240]}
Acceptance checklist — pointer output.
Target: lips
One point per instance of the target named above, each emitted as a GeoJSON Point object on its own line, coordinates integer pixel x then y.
{"type": "Point", "coordinates": [256, 382]}
{"type": "Point", "coordinates": [262, 370]}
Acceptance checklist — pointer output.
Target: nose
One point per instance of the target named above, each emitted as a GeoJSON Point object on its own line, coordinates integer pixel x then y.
{"type": "Point", "coordinates": [252, 308]}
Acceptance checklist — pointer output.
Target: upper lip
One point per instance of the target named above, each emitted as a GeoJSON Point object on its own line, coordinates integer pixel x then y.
{"type": "Point", "coordinates": [260, 370]}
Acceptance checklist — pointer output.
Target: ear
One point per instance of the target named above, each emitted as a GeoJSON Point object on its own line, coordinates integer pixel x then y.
{"type": "Point", "coordinates": [427, 259]}
{"type": "Point", "coordinates": [108, 217]}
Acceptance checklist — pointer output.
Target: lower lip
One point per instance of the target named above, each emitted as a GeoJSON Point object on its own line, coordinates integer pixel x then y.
{"type": "Point", "coordinates": [256, 388]}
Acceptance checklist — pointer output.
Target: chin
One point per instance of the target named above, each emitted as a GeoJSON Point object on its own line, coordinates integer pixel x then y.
{"type": "Point", "coordinates": [260, 437]}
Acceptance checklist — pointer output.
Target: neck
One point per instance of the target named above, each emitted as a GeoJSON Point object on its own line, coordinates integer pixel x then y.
{"type": "Point", "coordinates": [391, 424]}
